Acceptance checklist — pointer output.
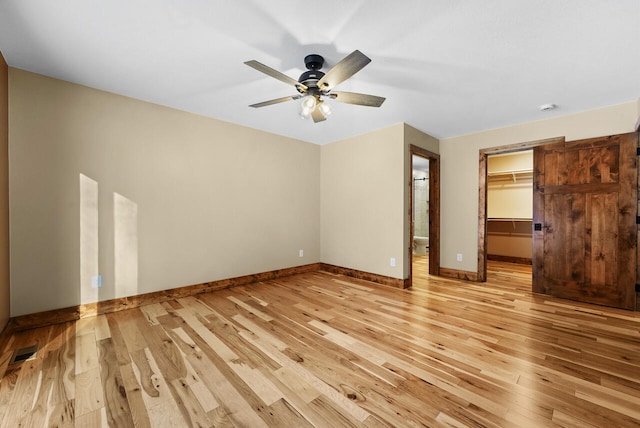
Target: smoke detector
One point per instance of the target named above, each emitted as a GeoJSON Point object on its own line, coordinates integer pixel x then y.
{"type": "Point", "coordinates": [547, 107]}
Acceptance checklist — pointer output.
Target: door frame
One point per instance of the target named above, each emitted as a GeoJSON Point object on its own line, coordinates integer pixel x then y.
{"type": "Point", "coordinates": [434, 209]}
{"type": "Point", "coordinates": [482, 193]}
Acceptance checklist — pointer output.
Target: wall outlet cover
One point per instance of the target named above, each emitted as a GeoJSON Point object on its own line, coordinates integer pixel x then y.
{"type": "Point", "coordinates": [96, 281]}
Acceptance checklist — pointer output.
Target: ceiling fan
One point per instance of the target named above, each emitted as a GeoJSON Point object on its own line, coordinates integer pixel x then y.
{"type": "Point", "coordinates": [314, 86]}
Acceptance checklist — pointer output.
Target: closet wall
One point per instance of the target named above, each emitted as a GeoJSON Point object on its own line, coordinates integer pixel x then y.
{"type": "Point", "coordinates": [510, 207]}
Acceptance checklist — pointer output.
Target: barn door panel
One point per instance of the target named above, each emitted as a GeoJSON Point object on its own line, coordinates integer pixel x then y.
{"type": "Point", "coordinates": [584, 236]}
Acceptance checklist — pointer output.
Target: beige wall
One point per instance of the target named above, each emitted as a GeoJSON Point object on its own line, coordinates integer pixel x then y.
{"type": "Point", "coordinates": [459, 170]}
{"type": "Point", "coordinates": [168, 198]}
{"type": "Point", "coordinates": [151, 198]}
{"type": "Point", "coordinates": [4, 193]}
{"type": "Point", "coordinates": [361, 200]}
{"type": "Point", "coordinates": [365, 200]}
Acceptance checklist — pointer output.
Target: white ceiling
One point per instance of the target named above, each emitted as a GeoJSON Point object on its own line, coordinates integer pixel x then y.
{"type": "Point", "coordinates": [446, 67]}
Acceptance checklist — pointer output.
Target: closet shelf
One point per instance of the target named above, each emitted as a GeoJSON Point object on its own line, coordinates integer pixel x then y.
{"type": "Point", "coordinates": [508, 219]}
{"type": "Point", "coordinates": [513, 221]}
{"type": "Point", "coordinates": [513, 173]}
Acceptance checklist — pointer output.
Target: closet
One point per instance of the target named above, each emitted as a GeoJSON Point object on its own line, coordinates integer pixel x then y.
{"type": "Point", "coordinates": [510, 207]}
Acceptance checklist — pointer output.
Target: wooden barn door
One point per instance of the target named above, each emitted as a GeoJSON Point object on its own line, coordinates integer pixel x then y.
{"type": "Point", "coordinates": [584, 220]}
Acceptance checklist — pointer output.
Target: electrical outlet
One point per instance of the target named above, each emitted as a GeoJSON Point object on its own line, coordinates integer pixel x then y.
{"type": "Point", "coordinates": [301, 253]}
{"type": "Point", "coordinates": [392, 262]}
{"type": "Point", "coordinates": [459, 257]}
{"type": "Point", "coordinates": [96, 281]}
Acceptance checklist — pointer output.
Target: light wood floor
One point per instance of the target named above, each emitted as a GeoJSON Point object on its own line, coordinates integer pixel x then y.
{"type": "Point", "coordinates": [324, 350]}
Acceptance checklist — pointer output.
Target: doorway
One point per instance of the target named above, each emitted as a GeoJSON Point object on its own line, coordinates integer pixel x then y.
{"type": "Point", "coordinates": [424, 212]}
{"type": "Point", "coordinates": [584, 218]}
{"type": "Point", "coordinates": [510, 207]}
{"type": "Point", "coordinates": [483, 194]}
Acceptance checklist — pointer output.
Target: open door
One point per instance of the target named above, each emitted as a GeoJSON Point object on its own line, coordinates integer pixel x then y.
{"type": "Point", "coordinates": [584, 220]}
{"type": "Point", "coordinates": [434, 210]}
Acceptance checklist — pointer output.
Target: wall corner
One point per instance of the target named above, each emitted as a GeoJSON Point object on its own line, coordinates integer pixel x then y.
{"type": "Point", "coordinates": [5, 300]}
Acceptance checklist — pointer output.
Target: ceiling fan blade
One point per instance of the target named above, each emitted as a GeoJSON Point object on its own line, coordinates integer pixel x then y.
{"type": "Point", "coordinates": [276, 101]}
{"type": "Point", "coordinates": [317, 115]}
{"type": "Point", "coordinates": [276, 74]}
{"type": "Point", "coordinates": [346, 68]}
{"type": "Point", "coordinates": [356, 98]}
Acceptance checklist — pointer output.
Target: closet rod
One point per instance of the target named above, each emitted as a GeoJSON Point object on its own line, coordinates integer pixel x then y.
{"type": "Point", "coordinates": [511, 171]}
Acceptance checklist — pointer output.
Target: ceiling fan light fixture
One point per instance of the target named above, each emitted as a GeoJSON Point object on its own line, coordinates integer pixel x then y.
{"type": "Point", "coordinates": [304, 113]}
{"type": "Point", "coordinates": [325, 109]}
{"type": "Point", "coordinates": [309, 102]}
{"type": "Point", "coordinates": [307, 106]}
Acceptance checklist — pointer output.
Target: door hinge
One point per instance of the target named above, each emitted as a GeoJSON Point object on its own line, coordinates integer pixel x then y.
{"type": "Point", "coordinates": [637, 151]}
{"type": "Point", "coordinates": [638, 219]}
{"type": "Point", "coordinates": [637, 288]}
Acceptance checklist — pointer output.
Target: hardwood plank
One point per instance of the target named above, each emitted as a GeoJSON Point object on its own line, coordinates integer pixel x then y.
{"type": "Point", "coordinates": [76, 313]}
{"type": "Point", "coordinates": [196, 415]}
{"type": "Point", "coordinates": [117, 407]}
{"type": "Point", "coordinates": [96, 418]}
{"type": "Point", "coordinates": [203, 358]}
{"type": "Point", "coordinates": [321, 349]}
{"type": "Point", "coordinates": [274, 347]}
{"type": "Point", "coordinates": [89, 392]}
{"type": "Point", "coordinates": [152, 312]}
{"type": "Point", "coordinates": [139, 412]}
{"type": "Point", "coordinates": [163, 410]}
{"type": "Point", "coordinates": [53, 404]}
{"type": "Point", "coordinates": [86, 352]}
{"type": "Point", "coordinates": [28, 381]}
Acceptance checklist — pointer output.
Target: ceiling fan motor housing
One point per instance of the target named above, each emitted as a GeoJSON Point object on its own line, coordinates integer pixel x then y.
{"type": "Point", "coordinates": [310, 78]}
{"type": "Point", "coordinates": [313, 62]}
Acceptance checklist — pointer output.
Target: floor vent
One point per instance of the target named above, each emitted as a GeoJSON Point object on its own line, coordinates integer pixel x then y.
{"type": "Point", "coordinates": [24, 354]}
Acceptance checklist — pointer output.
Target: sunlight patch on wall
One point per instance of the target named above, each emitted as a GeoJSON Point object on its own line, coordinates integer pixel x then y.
{"type": "Point", "coordinates": [89, 267]}
{"type": "Point", "coordinates": [125, 215]}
